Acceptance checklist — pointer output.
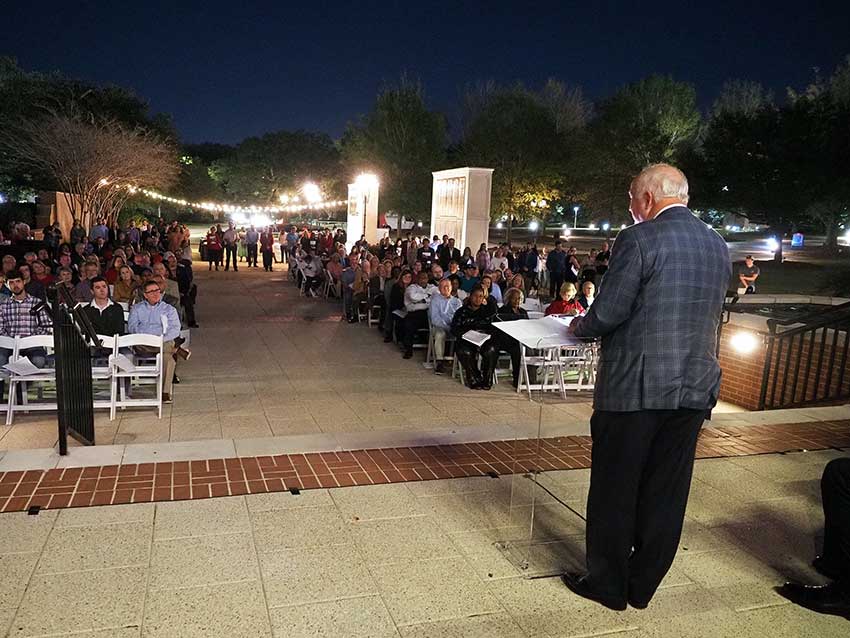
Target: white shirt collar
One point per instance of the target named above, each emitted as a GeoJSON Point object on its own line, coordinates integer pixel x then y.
{"type": "Point", "coordinates": [93, 304]}
{"type": "Point", "coordinates": [669, 206]}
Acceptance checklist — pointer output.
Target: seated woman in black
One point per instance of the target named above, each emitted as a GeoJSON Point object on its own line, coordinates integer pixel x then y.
{"type": "Point", "coordinates": [478, 315]}
{"type": "Point", "coordinates": [511, 311]}
{"type": "Point", "coordinates": [397, 303]}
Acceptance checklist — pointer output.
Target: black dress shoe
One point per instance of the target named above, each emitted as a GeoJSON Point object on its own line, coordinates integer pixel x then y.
{"type": "Point", "coordinates": [824, 568]}
{"type": "Point", "coordinates": [833, 599]}
{"type": "Point", "coordinates": [580, 587]}
{"type": "Point", "coordinates": [407, 354]}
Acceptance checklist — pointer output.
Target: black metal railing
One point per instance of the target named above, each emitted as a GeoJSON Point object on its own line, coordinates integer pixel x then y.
{"type": "Point", "coordinates": [74, 399]}
{"type": "Point", "coordinates": [806, 359]}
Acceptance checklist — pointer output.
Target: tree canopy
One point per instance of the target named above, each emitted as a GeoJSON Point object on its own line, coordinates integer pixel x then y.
{"type": "Point", "coordinates": [402, 142]}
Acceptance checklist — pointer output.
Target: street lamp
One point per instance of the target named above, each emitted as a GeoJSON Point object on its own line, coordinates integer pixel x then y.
{"type": "Point", "coordinates": [575, 216]}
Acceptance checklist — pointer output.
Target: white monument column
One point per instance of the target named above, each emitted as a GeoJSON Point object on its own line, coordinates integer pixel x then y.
{"type": "Point", "coordinates": [362, 210]}
{"type": "Point", "coordinates": [460, 206]}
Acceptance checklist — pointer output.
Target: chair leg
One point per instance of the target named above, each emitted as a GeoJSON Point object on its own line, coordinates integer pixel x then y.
{"type": "Point", "coordinates": [11, 406]}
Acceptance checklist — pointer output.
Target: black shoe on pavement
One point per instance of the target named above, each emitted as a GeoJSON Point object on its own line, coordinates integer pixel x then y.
{"type": "Point", "coordinates": [580, 587]}
{"type": "Point", "coordinates": [388, 339]}
{"type": "Point", "coordinates": [407, 354]}
{"type": "Point", "coordinates": [832, 599]}
{"type": "Point", "coordinates": [824, 568]}
{"type": "Point", "coordinates": [439, 368]}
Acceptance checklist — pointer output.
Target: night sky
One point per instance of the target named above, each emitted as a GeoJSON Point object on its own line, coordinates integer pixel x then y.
{"type": "Point", "coordinates": [227, 69]}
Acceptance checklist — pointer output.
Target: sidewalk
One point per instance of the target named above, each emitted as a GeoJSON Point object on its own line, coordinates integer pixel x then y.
{"type": "Point", "coordinates": [300, 486]}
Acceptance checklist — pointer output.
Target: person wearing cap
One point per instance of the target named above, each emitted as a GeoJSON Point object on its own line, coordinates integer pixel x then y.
{"type": "Point", "coordinates": [470, 278]}
{"type": "Point", "coordinates": [747, 275]}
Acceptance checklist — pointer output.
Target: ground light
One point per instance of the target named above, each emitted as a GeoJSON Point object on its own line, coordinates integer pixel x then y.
{"type": "Point", "coordinates": [744, 342]}
{"type": "Point", "coordinates": [772, 244]}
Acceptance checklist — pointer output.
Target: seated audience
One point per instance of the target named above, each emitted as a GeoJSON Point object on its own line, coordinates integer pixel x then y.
{"type": "Point", "coordinates": [566, 303]}
{"type": "Point", "coordinates": [396, 311]}
{"type": "Point", "coordinates": [441, 310]}
{"type": "Point", "coordinates": [156, 317]}
{"type": "Point", "coordinates": [416, 301]}
{"type": "Point", "coordinates": [588, 290]}
{"type": "Point", "coordinates": [125, 288]}
{"type": "Point", "coordinates": [106, 317]}
{"type": "Point", "coordinates": [475, 315]}
{"type": "Point", "coordinates": [22, 315]}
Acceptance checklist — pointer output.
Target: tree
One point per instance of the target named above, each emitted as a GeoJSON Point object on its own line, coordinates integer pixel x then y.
{"type": "Point", "coordinates": [653, 120]}
{"type": "Point", "coordinates": [97, 164]}
{"type": "Point", "coordinates": [741, 97]}
{"type": "Point", "coordinates": [261, 169]}
{"type": "Point", "coordinates": [787, 163]}
{"type": "Point", "coordinates": [403, 142]}
{"type": "Point", "coordinates": [515, 132]}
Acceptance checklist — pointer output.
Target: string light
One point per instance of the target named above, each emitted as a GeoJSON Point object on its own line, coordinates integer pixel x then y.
{"type": "Point", "coordinates": [238, 208]}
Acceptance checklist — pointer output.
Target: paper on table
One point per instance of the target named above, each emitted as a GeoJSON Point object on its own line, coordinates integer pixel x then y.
{"type": "Point", "coordinates": [22, 367]}
{"type": "Point", "coordinates": [475, 337]}
{"type": "Point", "coordinates": [124, 363]}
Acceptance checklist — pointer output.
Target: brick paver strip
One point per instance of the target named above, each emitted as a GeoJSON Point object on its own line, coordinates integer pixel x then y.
{"type": "Point", "coordinates": [182, 480]}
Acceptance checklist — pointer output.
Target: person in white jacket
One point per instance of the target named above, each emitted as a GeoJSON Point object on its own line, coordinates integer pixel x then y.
{"type": "Point", "coordinates": [416, 300]}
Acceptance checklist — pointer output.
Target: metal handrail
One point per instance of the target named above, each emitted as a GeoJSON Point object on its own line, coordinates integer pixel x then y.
{"type": "Point", "coordinates": [835, 319]}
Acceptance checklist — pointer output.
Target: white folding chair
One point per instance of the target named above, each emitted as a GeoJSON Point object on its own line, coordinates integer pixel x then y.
{"type": "Point", "coordinates": [8, 344]}
{"type": "Point", "coordinates": [43, 376]}
{"type": "Point", "coordinates": [101, 370]}
{"type": "Point", "coordinates": [147, 370]}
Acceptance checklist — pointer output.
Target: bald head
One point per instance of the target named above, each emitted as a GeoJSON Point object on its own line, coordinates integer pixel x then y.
{"type": "Point", "coordinates": [656, 187]}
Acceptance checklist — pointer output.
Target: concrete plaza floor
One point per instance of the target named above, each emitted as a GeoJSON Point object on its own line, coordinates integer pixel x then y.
{"type": "Point", "coordinates": [417, 559]}
{"type": "Point", "coordinates": [441, 558]}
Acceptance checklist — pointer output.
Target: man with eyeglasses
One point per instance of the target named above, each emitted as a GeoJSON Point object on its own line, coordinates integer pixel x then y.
{"type": "Point", "coordinates": [154, 316]}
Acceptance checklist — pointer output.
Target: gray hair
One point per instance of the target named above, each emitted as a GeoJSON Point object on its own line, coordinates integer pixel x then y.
{"type": "Point", "coordinates": [663, 181]}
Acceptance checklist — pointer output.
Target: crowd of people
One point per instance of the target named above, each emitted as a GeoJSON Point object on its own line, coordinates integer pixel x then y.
{"type": "Point", "coordinates": [418, 288]}
{"type": "Point", "coordinates": [145, 268]}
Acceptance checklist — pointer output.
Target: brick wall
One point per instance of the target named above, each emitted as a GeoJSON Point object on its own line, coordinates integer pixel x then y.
{"type": "Point", "coordinates": [742, 373]}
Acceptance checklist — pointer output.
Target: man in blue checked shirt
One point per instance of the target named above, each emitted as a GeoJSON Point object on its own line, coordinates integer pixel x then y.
{"type": "Point", "coordinates": [155, 317]}
{"type": "Point", "coordinates": [441, 309]}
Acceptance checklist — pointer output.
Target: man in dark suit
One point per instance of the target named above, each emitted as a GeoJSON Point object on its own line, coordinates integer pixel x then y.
{"type": "Point", "coordinates": [832, 598]}
{"type": "Point", "coordinates": [657, 313]}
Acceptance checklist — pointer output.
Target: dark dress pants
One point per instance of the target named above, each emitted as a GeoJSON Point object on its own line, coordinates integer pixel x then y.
{"type": "Point", "coordinates": [556, 280]}
{"type": "Point", "coordinates": [467, 353]}
{"type": "Point", "coordinates": [835, 490]}
{"type": "Point", "coordinates": [252, 255]}
{"type": "Point", "coordinates": [230, 252]}
{"type": "Point", "coordinates": [641, 466]}
{"type": "Point", "coordinates": [267, 259]}
{"type": "Point", "coordinates": [505, 343]}
{"type": "Point", "coordinates": [413, 322]}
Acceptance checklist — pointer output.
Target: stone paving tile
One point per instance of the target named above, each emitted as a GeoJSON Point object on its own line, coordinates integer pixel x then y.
{"type": "Point", "coordinates": [497, 625]}
{"type": "Point", "coordinates": [362, 617]}
{"type": "Point", "coordinates": [428, 591]}
{"type": "Point", "coordinates": [298, 528]}
{"type": "Point", "coordinates": [15, 572]}
{"type": "Point", "coordinates": [202, 560]}
{"type": "Point", "coordinates": [314, 574]}
{"type": "Point", "coordinates": [106, 546]}
{"type": "Point", "coordinates": [226, 610]}
{"type": "Point", "coordinates": [81, 601]}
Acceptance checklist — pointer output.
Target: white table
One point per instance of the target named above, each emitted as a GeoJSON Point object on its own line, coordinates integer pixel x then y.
{"type": "Point", "coordinates": [548, 334]}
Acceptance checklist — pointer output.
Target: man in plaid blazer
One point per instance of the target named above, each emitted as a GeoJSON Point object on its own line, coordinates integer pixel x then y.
{"type": "Point", "coordinates": [657, 313]}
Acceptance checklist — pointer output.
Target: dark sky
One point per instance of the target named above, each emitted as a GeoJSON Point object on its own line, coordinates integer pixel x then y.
{"type": "Point", "coordinates": [227, 69]}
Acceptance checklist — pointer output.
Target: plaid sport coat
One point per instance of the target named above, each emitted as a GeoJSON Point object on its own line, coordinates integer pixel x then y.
{"type": "Point", "coordinates": [657, 312]}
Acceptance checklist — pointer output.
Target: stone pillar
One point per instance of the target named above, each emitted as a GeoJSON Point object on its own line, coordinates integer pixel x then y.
{"type": "Point", "coordinates": [362, 210]}
{"type": "Point", "coordinates": [460, 206]}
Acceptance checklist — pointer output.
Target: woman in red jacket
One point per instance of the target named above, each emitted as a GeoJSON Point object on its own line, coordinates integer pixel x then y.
{"type": "Point", "coordinates": [566, 303]}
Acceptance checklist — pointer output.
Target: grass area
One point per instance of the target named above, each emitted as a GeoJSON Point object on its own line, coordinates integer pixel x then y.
{"type": "Point", "coordinates": [831, 279]}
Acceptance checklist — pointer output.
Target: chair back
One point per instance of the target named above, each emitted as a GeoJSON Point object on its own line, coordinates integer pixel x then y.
{"type": "Point", "coordinates": [141, 339]}
{"type": "Point", "coordinates": [34, 341]}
